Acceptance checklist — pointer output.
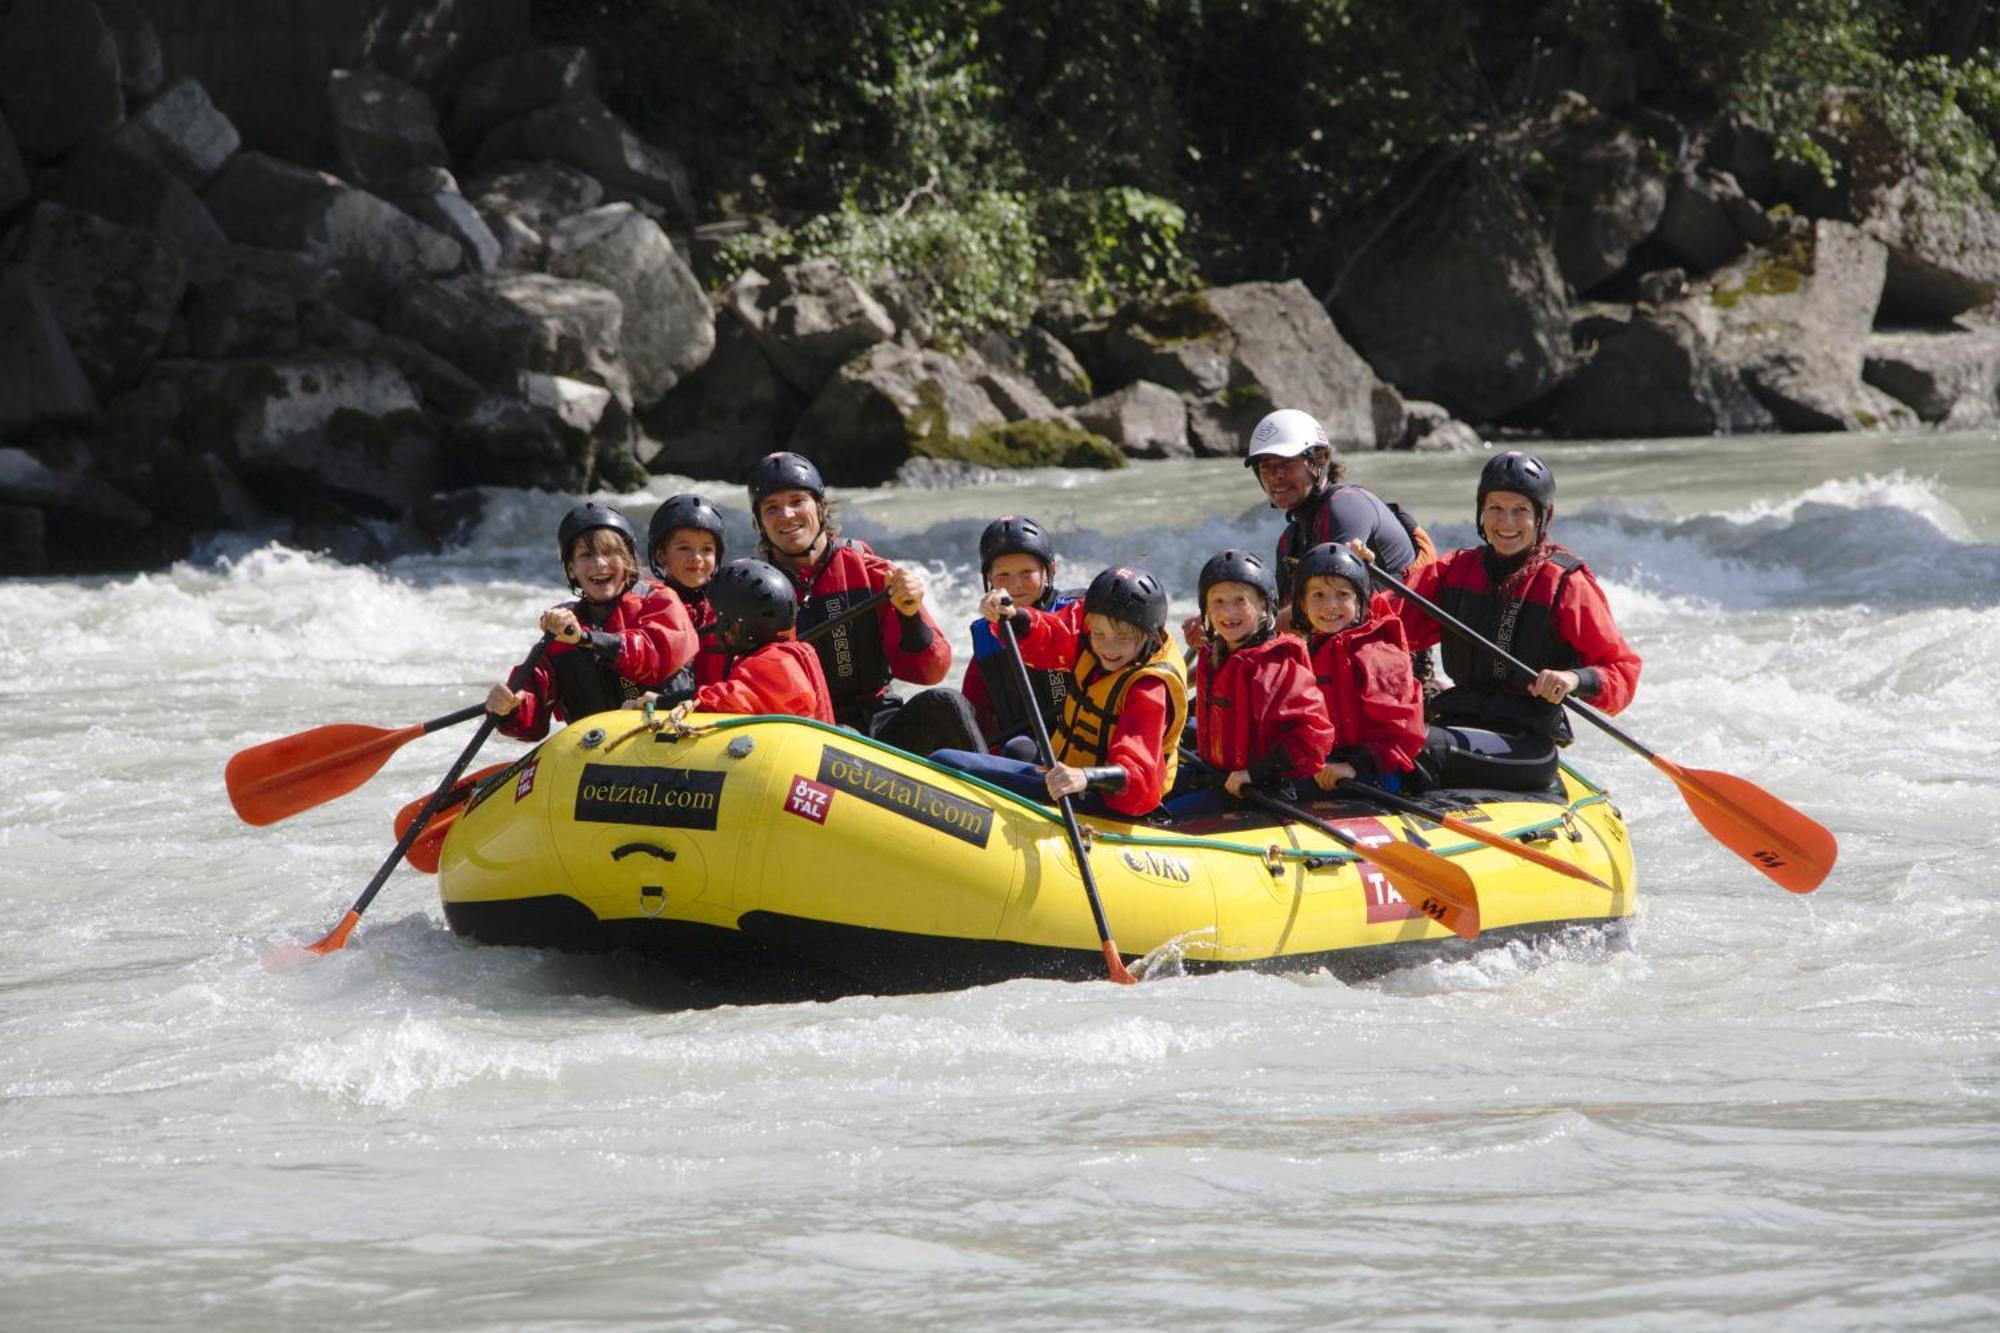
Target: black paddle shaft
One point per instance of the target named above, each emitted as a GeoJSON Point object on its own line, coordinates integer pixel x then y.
{"type": "Point", "coordinates": [1465, 631]}
{"type": "Point", "coordinates": [1048, 755]}
{"type": "Point", "coordinates": [442, 794]}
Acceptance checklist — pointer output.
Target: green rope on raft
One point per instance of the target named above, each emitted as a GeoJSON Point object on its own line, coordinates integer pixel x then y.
{"type": "Point", "coordinates": [1596, 797]}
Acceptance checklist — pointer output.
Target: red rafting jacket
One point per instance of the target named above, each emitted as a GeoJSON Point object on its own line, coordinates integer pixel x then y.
{"type": "Point", "coordinates": [1554, 616]}
{"type": "Point", "coordinates": [783, 676]}
{"type": "Point", "coordinates": [1371, 694]}
{"type": "Point", "coordinates": [861, 657]}
{"type": "Point", "coordinates": [645, 639]}
{"type": "Point", "coordinates": [1261, 711]}
{"type": "Point", "coordinates": [1138, 735]}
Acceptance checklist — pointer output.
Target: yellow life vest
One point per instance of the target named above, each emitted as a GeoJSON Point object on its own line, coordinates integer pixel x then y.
{"type": "Point", "coordinates": [1090, 708]}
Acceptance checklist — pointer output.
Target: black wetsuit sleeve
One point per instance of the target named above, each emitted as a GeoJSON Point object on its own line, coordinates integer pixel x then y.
{"type": "Point", "coordinates": [1357, 513]}
{"type": "Point", "coordinates": [915, 636]}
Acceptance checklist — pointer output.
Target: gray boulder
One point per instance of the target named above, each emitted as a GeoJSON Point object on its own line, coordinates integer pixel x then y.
{"type": "Point", "coordinates": [1145, 420]}
{"type": "Point", "coordinates": [539, 194]}
{"type": "Point", "coordinates": [1695, 227]}
{"type": "Point", "coordinates": [182, 132]}
{"type": "Point", "coordinates": [1795, 322]}
{"type": "Point", "coordinates": [1178, 343]}
{"type": "Point", "coordinates": [668, 329]}
{"type": "Point", "coordinates": [105, 179]}
{"type": "Point", "coordinates": [584, 133]}
{"type": "Point", "coordinates": [809, 318]}
{"type": "Point", "coordinates": [232, 314]}
{"type": "Point", "coordinates": [321, 426]}
{"type": "Point", "coordinates": [521, 246]}
{"type": "Point", "coordinates": [1947, 379]}
{"type": "Point", "coordinates": [506, 442]}
{"type": "Point", "coordinates": [40, 379]}
{"type": "Point", "coordinates": [58, 74]}
{"type": "Point", "coordinates": [498, 325]}
{"type": "Point", "coordinates": [24, 480]}
{"type": "Point", "coordinates": [510, 87]}
{"type": "Point", "coordinates": [1658, 373]}
{"type": "Point", "coordinates": [729, 414]}
{"type": "Point", "coordinates": [383, 127]}
{"type": "Point", "coordinates": [141, 67]}
{"type": "Point", "coordinates": [1944, 257]}
{"type": "Point", "coordinates": [1606, 198]}
{"type": "Point", "coordinates": [377, 248]}
{"type": "Point", "coordinates": [431, 196]}
{"type": "Point", "coordinates": [114, 289]}
{"type": "Point", "coordinates": [1452, 293]}
{"type": "Point", "coordinates": [13, 173]}
{"type": "Point", "coordinates": [1054, 368]}
{"type": "Point", "coordinates": [1431, 428]}
{"type": "Point", "coordinates": [887, 404]}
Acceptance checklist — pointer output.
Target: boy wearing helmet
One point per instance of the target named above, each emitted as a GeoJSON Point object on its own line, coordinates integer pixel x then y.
{"type": "Point", "coordinates": [758, 667]}
{"type": "Point", "coordinates": [1538, 601]}
{"type": "Point", "coordinates": [1015, 556]}
{"type": "Point", "coordinates": [1259, 717]}
{"type": "Point", "coordinates": [620, 637]}
{"type": "Point", "coordinates": [1361, 662]}
{"type": "Point", "coordinates": [899, 642]}
{"type": "Point", "coordinates": [686, 544]}
{"type": "Point", "coordinates": [1124, 705]}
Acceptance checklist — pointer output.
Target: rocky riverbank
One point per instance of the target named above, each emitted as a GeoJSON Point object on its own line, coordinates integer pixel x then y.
{"type": "Point", "coordinates": [324, 272]}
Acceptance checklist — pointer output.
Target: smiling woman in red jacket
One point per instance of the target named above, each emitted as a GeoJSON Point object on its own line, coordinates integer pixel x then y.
{"type": "Point", "coordinates": [1361, 662]}
{"type": "Point", "coordinates": [1538, 601]}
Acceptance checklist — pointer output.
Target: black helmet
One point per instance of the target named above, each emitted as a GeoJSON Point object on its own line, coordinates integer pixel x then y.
{"type": "Point", "coordinates": [588, 518]}
{"type": "Point", "coordinates": [783, 472]}
{"type": "Point", "coordinates": [683, 511]}
{"type": "Point", "coordinates": [1130, 595]}
{"type": "Point", "coordinates": [1327, 560]}
{"type": "Point", "coordinates": [1014, 536]}
{"type": "Point", "coordinates": [753, 601]}
{"type": "Point", "coordinates": [1238, 566]}
{"type": "Point", "coordinates": [1523, 474]}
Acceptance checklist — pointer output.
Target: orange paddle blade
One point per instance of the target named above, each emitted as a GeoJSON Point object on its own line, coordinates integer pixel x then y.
{"type": "Point", "coordinates": [1116, 966]}
{"type": "Point", "coordinates": [1434, 886]}
{"type": "Point", "coordinates": [336, 938]}
{"type": "Point", "coordinates": [279, 778]}
{"type": "Point", "coordinates": [424, 852]}
{"type": "Point", "coordinates": [1794, 850]}
{"type": "Point", "coordinates": [1520, 849]}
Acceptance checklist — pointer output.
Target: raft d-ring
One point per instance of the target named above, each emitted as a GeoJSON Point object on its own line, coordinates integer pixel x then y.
{"type": "Point", "coordinates": [1087, 835]}
{"type": "Point", "coordinates": [1570, 830]}
{"type": "Point", "coordinates": [1274, 860]}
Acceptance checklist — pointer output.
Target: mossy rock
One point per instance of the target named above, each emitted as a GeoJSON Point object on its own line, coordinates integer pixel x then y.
{"type": "Point", "coordinates": [1180, 319]}
{"type": "Point", "coordinates": [1023, 444]}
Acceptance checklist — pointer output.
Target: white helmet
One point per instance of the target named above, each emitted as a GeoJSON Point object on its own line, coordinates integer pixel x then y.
{"type": "Point", "coordinates": [1285, 433]}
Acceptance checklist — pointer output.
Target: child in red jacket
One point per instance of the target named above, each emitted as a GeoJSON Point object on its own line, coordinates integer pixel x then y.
{"type": "Point", "coordinates": [1362, 664]}
{"type": "Point", "coordinates": [621, 636]}
{"type": "Point", "coordinates": [761, 668]}
{"type": "Point", "coordinates": [1259, 718]}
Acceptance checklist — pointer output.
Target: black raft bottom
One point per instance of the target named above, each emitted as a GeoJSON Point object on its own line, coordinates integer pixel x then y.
{"type": "Point", "coordinates": [781, 957]}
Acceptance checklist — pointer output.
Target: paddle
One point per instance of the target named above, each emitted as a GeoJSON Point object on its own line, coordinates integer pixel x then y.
{"type": "Point", "coordinates": [1417, 810]}
{"type": "Point", "coordinates": [1112, 962]}
{"type": "Point", "coordinates": [1792, 849]}
{"type": "Point", "coordinates": [424, 852]}
{"type": "Point", "coordinates": [278, 779]}
{"type": "Point", "coordinates": [866, 604]}
{"type": "Point", "coordinates": [337, 937]}
{"type": "Point", "coordinates": [1426, 881]}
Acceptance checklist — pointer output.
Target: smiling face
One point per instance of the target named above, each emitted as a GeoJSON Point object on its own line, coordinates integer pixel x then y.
{"type": "Point", "coordinates": [1286, 480]}
{"type": "Point", "coordinates": [1235, 611]}
{"type": "Point", "coordinates": [689, 556]}
{"type": "Point", "coordinates": [1021, 576]}
{"type": "Point", "coordinates": [1507, 521]}
{"type": "Point", "coordinates": [601, 564]}
{"type": "Point", "coordinates": [1117, 643]}
{"type": "Point", "coordinates": [1331, 603]}
{"type": "Point", "coordinates": [791, 520]}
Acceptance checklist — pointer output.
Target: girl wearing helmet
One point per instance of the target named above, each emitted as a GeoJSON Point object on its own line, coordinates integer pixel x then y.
{"type": "Point", "coordinates": [1361, 662]}
{"type": "Point", "coordinates": [620, 637]}
{"type": "Point", "coordinates": [1259, 717]}
{"type": "Point", "coordinates": [686, 542]}
{"type": "Point", "coordinates": [900, 642]}
{"type": "Point", "coordinates": [1124, 705]}
{"type": "Point", "coordinates": [1537, 600]}
{"type": "Point", "coordinates": [758, 666]}
{"type": "Point", "coordinates": [1015, 556]}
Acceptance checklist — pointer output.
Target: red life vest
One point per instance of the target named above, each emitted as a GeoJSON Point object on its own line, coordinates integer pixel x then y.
{"type": "Point", "coordinates": [1371, 694]}
{"type": "Point", "coordinates": [1261, 710]}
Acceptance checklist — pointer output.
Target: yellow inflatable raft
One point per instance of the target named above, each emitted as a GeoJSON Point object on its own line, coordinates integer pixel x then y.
{"type": "Point", "coordinates": [783, 837]}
